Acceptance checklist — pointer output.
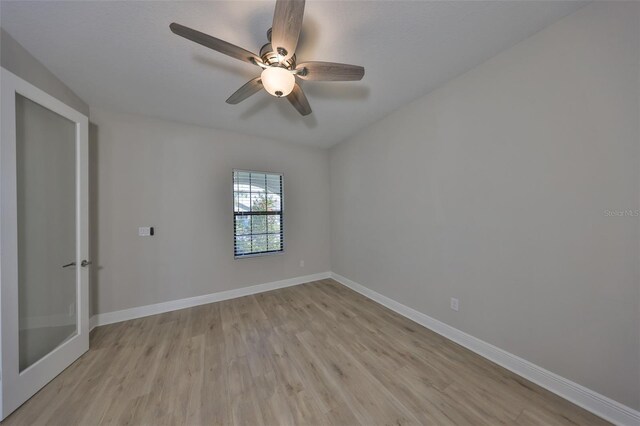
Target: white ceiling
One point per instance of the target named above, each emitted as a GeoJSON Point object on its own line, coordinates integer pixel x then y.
{"type": "Point", "coordinates": [121, 55]}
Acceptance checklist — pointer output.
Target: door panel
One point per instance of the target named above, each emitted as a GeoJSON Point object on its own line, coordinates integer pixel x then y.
{"type": "Point", "coordinates": [45, 168]}
{"type": "Point", "coordinates": [44, 300]}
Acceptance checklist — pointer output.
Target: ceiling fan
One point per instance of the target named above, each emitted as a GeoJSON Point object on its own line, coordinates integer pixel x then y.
{"type": "Point", "coordinates": [277, 59]}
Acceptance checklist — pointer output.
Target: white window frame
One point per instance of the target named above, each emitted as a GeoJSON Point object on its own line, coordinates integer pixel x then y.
{"type": "Point", "coordinates": [282, 220]}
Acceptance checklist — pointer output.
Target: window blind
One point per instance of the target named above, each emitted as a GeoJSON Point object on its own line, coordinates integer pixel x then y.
{"type": "Point", "coordinates": [257, 208]}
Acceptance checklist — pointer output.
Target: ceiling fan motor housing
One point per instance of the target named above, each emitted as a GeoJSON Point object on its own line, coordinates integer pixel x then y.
{"type": "Point", "coordinates": [270, 57]}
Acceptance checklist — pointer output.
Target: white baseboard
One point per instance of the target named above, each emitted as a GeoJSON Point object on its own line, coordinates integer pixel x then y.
{"type": "Point", "coordinates": [598, 404]}
{"type": "Point", "coordinates": [173, 305]}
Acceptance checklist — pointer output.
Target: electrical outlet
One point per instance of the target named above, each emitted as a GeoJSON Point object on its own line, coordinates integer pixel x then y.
{"type": "Point", "coordinates": [302, 263]}
{"type": "Point", "coordinates": [454, 304]}
{"type": "Point", "coordinates": [72, 309]}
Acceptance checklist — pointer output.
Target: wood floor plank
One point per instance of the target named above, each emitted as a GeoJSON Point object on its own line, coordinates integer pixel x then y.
{"type": "Point", "coordinates": [314, 354]}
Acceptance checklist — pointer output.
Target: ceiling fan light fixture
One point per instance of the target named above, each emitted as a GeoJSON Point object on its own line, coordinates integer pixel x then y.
{"type": "Point", "coordinates": [278, 81]}
{"type": "Point", "coordinates": [277, 59]}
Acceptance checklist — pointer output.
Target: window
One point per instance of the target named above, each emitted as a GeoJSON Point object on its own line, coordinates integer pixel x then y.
{"type": "Point", "coordinates": [257, 208]}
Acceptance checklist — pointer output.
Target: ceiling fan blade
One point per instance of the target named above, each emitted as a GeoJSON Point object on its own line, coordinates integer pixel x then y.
{"type": "Point", "coordinates": [287, 22]}
{"type": "Point", "coordinates": [249, 88]}
{"type": "Point", "coordinates": [330, 71]}
{"type": "Point", "coordinates": [215, 43]}
{"type": "Point", "coordinates": [299, 100]}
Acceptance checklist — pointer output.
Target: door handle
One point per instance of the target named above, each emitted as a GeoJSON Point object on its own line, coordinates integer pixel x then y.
{"type": "Point", "coordinates": [85, 263]}
{"type": "Point", "coordinates": [69, 264]}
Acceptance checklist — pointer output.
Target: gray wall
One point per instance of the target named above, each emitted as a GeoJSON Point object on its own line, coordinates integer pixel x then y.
{"type": "Point", "coordinates": [19, 61]}
{"type": "Point", "coordinates": [178, 178]}
{"type": "Point", "coordinates": [494, 189]}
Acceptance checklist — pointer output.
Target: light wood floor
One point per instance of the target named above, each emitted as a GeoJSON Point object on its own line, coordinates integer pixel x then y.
{"type": "Point", "coordinates": [313, 354]}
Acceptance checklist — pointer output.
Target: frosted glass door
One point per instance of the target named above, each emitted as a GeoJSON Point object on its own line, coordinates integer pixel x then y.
{"type": "Point", "coordinates": [44, 239]}
{"type": "Point", "coordinates": [46, 179]}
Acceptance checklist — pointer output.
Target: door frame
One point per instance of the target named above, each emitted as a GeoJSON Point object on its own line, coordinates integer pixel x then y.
{"type": "Point", "coordinates": [16, 387]}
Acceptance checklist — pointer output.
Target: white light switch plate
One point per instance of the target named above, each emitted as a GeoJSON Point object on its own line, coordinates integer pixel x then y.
{"type": "Point", "coordinates": [144, 231]}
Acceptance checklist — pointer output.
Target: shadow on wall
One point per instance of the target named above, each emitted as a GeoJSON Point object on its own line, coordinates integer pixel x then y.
{"type": "Point", "coordinates": [93, 219]}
